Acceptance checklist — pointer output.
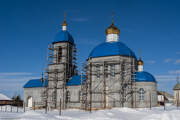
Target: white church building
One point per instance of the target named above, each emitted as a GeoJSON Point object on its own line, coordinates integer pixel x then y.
{"type": "Point", "coordinates": [114, 77]}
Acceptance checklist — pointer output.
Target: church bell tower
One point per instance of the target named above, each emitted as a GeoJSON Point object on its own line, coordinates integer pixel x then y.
{"type": "Point", "coordinates": [61, 66]}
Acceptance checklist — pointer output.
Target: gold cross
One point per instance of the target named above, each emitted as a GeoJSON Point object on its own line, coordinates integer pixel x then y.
{"type": "Point", "coordinates": [112, 17]}
{"type": "Point", "coordinates": [139, 53]}
{"type": "Point", "coordinates": [64, 16]}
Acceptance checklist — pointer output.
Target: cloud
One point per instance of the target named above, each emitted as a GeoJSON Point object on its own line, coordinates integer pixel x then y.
{"type": "Point", "coordinates": [166, 82]}
{"type": "Point", "coordinates": [177, 61]}
{"type": "Point", "coordinates": [89, 41]}
{"type": "Point", "coordinates": [167, 60]}
{"type": "Point", "coordinates": [79, 19]}
{"type": "Point", "coordinates": [150, 61]}
{"type": "Point", "coordinates": [17, 79]}
{"type": "Point", "coordinates": [70, 11]}
{"type": "Point", "coordinates": [174, 72]}
{"type": "Point", "coordinates": [178, 53]}
{"type": "Point", "coordinates": [15, 74]}
{"type": "Point", "coordinates": [12, 83]}
{"type": "Point", "coordinates": [165, 77]}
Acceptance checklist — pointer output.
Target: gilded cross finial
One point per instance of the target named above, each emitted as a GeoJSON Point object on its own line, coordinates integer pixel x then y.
{"type": "Point", "coordinates": [112, 18]}
{"type": "Point", "coordinates": [42, 74]}
{"type": "Point", "coordinates": [139, 53]}
{"type": "Point", "coordinates": [178, 79]}
{"type": "Point", "coordinates": [64, 16]}
{"type": "Point", "coordinates": [64, 23]}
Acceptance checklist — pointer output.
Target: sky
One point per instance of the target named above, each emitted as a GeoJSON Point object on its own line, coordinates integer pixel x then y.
{"type": "Point", "coordinates": [28, 26]}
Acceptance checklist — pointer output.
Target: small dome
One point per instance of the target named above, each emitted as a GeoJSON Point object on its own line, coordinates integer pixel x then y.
{"type": "Point", "coordinates": [64, 23]}
{"type": "Point", "coordinates": [111, 49]}
{"type": "Point", "coordinates": [144, 77]}
{"type": "Point", "coordinates": [63, 36]}
{"type": "Point", "coordinates": [140, 62]}
{"type": "Point", "coordinates": [112, 29]}
{"type": "Point", "coordinates": [177, 87]}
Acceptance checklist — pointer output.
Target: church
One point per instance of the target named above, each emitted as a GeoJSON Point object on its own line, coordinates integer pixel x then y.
{"type": "Point", "coordinates": [113, 77]}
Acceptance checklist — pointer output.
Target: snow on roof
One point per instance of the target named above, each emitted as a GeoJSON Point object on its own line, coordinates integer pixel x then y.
{"type": "Point", "coordinates": [4, 97]}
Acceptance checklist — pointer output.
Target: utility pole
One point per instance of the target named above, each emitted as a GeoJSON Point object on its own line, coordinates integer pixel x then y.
{"type": "Point", "coordinates": [60, 107]}
{"type": "Point", "coordinates": [90, 77]}
{"type": "Point", "coordinates": [178, 99]}
{"type": "Point", "coordinates": [164, 100]}
{"type": "Point", "coordinates": [104, 80]}
{"type": "Point", "coordinates": [150, 100]}
{"type": "Point", "coordinates": [46, 106]}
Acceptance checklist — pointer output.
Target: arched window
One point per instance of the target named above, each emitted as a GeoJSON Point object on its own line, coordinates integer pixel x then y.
{"type": "Point", "coordinates": [141, 94]}
{"type": "Point", "coordinates": [29, 102]}
{"type": "Point", "coordinates": [59, 54]}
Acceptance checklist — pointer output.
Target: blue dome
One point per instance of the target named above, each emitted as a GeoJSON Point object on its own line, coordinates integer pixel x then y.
{"type": "Point", "coordinates": [111, 49]}
{"type": "Point", "coordinates": [144, 77]}
{"type": "Point", "coordinates": [63, 36]}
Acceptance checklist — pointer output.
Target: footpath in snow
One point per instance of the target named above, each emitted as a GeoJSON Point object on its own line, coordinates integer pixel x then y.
{"type": "Point", "coordinates": [157, 113]}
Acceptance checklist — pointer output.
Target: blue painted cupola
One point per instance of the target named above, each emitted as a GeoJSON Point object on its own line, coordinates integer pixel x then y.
{"type": "Point", "coordinates": [34, 83]}
{"type": "Point", "coordinates": [142, 76]}
{"type": "Point", "coordinates": [111, 49]}
{"type": "Point", "coordinates": [63, 35]}
{"type": "Point", "coordinates": [112, 46]}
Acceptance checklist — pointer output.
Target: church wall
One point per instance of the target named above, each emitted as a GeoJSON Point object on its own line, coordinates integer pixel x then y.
{"type": "Point", "coordinates": [57, 73]}
{"type": "Point", "coordinates": [150, 88]}
{"type": "Point", "coordinates": [176, 97]}
{"type": "Point", "coordinates": [36, 94]}
{"type": "Point", "coordinates": [74, 96]}
{"type": "Point", "coordinates": [113, 84]}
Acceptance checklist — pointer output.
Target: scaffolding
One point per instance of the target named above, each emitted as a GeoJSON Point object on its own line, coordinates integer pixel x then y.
{"type": "Point", "coordinates": [84, 87]}
{"type": "Point", "coordinates": [101, 87]}
{"type": "Point", "coordinates": [61, 66]}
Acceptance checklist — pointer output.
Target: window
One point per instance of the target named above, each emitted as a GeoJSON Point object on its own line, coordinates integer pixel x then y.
{"type": "Point", "coordinates": [106, 70]}
{"type": "Point", "coordinates": [124, 94]}
{"type": "Point", "coordinates": [98, 69]}
{"type": "Point", "coordinates": [123, 69]}
{"type": "Point", "coordinates": [59, 54]}
{"type": "Point", "coordinates": [67, 96]}
{"type": "Point", "coordinates": [79, 96]}
{"type": "Point", "coordinates": [141, 94]}
{"type": "Point", "coordinates": [113, 70]}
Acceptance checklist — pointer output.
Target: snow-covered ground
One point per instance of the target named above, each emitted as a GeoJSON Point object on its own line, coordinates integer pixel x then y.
{"type": "Point", "coordinates": [157, 113]}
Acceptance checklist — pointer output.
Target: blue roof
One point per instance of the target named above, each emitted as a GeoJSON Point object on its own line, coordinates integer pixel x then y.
{"type": "Point", "coordinates": [35, 83]}
{"type": "Point", "coordinates": [111, 49]}
{"type": "Point", "coordinates": [76, 80]}
{"type": "Point", "coordinates": [144, 77]}
{"type": "Point", "coordinates": [63, 36]}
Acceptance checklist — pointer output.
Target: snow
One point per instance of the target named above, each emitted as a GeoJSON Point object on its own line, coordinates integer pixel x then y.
{"type": "Point", "coordinates": [156, 113]}
{"type": "Point", "coordinates": [4, 97]}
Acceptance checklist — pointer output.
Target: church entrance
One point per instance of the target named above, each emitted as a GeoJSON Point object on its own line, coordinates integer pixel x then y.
{"type": "Point", "coordinates": [29, 102]}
